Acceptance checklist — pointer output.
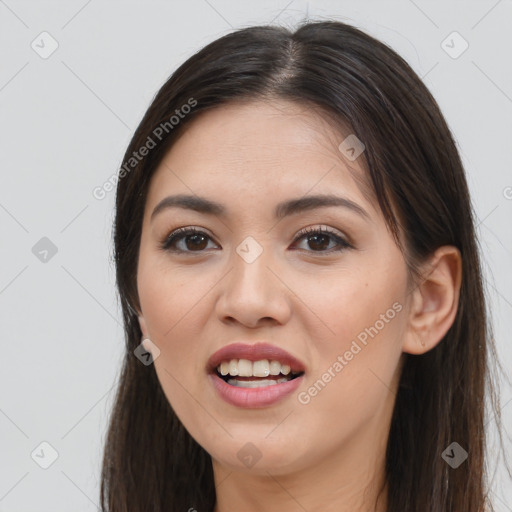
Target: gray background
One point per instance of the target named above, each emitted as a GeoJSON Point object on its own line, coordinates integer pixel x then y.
{"type": "Point", "coordinates": [65, 123]}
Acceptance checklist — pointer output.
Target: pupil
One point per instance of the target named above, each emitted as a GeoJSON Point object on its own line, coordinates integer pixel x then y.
{"type": "Point", "coordinates": [315, 237]}
{"type": "Point", "coordinates": [197, 243]}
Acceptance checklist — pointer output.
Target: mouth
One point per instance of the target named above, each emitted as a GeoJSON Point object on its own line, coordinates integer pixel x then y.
{"type": "Point", "coordinates": [254, 366]}
{"type": "Point", "coordinates": [244, 373]}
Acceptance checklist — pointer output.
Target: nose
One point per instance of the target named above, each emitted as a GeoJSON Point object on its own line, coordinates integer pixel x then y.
{"type": "Point", "coordinates": [253, 293]}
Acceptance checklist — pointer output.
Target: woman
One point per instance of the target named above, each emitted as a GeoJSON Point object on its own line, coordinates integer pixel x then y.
{"type": "Point", "coordinates": [296, 254]}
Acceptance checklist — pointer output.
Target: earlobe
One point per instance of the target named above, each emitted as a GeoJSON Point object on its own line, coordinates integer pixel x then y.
{"type": "Point", "coordinates": [145, 340]}
{"type": "Point", "coordinates": [434, 301]}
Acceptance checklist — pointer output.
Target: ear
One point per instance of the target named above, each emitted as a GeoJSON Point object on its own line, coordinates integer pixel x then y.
{"type": "Point", "coordinates": [143, 326]}
{"type": "Point", "coordinates": [434, 301]}
{"type": "Point", "coordinates": [146, 340]}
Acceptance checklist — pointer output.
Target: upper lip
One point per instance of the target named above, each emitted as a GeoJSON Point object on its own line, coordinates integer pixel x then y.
{"type": "Point", "coordinates": [254, 352]}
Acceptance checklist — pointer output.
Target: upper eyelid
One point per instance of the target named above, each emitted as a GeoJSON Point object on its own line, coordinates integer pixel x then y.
{"type": "Point", "coordinates": [182, 231]}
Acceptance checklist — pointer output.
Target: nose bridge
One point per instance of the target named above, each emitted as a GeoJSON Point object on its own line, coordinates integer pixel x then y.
{"type": "Point", "coordinates": [250, 261]}
{"type": "Point", "coordinates": [251, 290]}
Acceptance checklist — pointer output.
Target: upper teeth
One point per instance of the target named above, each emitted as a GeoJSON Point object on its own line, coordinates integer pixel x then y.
{"type": "Point", "coordinates": [246, 368]}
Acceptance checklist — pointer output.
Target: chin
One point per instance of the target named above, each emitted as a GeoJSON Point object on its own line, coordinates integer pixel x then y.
{"type": "Point", "coordinates": [257, 456]}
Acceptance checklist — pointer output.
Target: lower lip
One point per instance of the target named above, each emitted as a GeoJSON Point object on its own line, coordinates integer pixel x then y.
{"type": "Point", "coordinates": [254, 397]}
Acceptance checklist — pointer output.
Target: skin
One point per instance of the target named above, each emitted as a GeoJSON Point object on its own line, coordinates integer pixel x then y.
{"type": "Point", "coordinates": [328, 454]}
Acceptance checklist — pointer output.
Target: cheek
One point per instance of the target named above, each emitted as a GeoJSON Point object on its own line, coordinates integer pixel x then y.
{"type": "Point", "coordinates": [356, 359]}
{"type": "Point", "coordinates": [172, 307]}
{"type": "Point", "coordinates": [169, 304]}
{"type": "Point", "coordinates": [171, 297]}
{"type": "Point", "coordinates": [352, 384]}
{"type": "Point", "coordinates": [356, 304]}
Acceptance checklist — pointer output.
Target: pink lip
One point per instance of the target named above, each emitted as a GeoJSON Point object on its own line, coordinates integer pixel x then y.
{"type": "Point", "coordinates": [254, 352]}
{"type": "Point", "coordinates": [253, 398]}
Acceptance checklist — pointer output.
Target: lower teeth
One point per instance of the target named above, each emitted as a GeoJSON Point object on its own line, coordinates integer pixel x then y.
{"type": "Point", "coordinates": [256, 383]}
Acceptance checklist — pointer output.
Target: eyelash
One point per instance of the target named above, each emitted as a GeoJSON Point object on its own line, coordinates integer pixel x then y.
{"type": "Point", "coordinates": [181, 233]}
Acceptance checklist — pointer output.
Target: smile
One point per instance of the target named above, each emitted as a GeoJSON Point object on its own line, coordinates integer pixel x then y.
{"type": "Point", "coordinates": [255, 374]}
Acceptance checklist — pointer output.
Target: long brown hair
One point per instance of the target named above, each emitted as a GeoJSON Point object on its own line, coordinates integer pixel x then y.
{"type": "Point", "coordinates": [150, 461]}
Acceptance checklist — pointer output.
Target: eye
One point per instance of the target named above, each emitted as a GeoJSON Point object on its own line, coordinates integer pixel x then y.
{"type": "Point", "coordinates": [317, 238]}
{"type": "Point", "coordinates": [196, 240]}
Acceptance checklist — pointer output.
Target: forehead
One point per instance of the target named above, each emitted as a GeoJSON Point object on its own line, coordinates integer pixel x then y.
{"type": "Point", "coordinates": [264, 148]}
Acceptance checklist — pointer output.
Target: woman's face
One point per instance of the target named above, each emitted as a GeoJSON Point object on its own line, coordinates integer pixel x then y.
{"type": "Point", "coordinates": [334, 302]}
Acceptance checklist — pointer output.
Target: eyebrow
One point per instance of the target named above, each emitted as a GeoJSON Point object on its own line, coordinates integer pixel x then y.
{"type": "Point", "coordinates": [284, 209]}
